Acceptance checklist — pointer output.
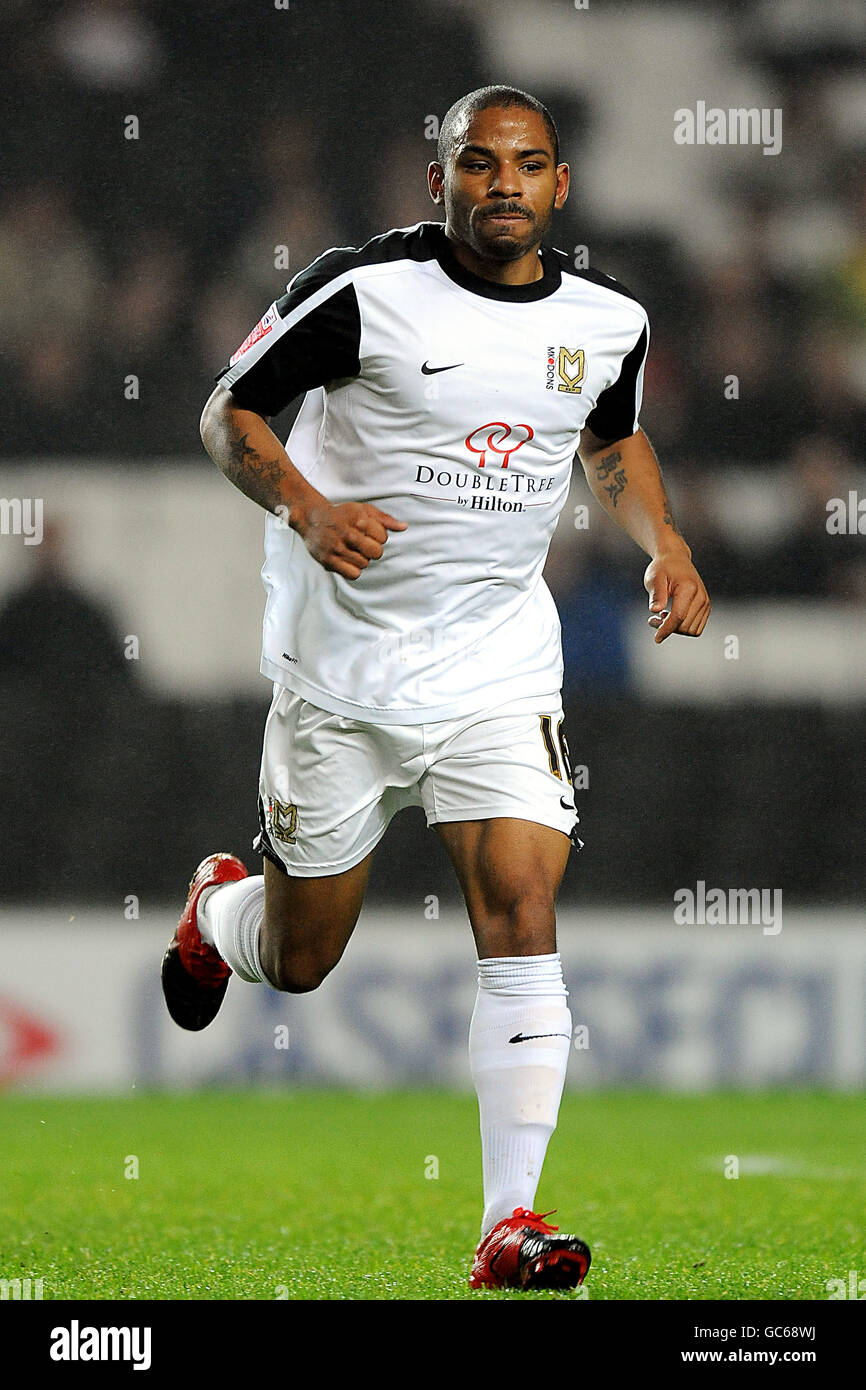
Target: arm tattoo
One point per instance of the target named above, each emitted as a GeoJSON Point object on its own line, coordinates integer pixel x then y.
{"type": "Point", "coordinates": [607, 466]}
{"type": "Point", "coordinates": [668, 517]}
{"type": "Point", "coordinates": [617, 486]}
{"type": "Point", "coordinates": [258, 477]}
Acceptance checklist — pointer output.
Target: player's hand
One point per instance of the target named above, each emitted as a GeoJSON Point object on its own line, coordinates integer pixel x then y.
{"type": "Point", "coordinates": [346, 537]}
{"type": "Point", "coordinates": [678, 600]}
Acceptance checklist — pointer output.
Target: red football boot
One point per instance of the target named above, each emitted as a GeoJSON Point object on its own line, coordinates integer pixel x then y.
{"type": "Point", "coordinates": [523, 1252]}
{"type": "Point", "coordinates": [194, 975]}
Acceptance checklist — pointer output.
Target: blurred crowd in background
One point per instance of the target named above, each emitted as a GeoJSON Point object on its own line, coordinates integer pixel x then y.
{"type": "Point", "coordinates": [166, 168]}
{"type": "Point", "coordinates": [152, 257]}
{"type": "Point", "coordinates": [258, 145]}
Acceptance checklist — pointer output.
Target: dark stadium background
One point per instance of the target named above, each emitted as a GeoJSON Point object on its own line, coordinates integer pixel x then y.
{"type": "Point", "coordinates": [260, 126]}
{"type": "Point", "coordinates": [290, 1150]}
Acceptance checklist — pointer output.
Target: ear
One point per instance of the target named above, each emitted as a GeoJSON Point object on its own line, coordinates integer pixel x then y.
{"type": "Point", "coordinates": [563, 177]}
{"type": "Point", "coordinates": [436, 181]}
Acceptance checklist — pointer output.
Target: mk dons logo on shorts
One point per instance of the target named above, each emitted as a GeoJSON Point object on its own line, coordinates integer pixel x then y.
{"type": "Point", "coordinates": [498, 438]}
{"type": "Point", "coordinates": [284, 821]}
{"type": "Point", "coordinates": [264, 325]}
{"type": "Point", "coordinates": [565, 369]}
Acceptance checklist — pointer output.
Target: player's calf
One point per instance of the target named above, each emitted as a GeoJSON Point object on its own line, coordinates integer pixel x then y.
{"type": "Point", "coordinates": [307, 925]}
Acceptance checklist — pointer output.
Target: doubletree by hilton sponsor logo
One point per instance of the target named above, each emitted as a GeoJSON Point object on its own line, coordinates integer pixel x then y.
{"type": "Point", "coordinates": [497, 441]}
{"type": "Point", "coordinates": [492, 445]}
{"type": "Point", "coordinates": [483, 492]}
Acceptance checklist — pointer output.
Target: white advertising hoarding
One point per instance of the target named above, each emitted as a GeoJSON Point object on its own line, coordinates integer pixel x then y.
{"type": "Point", "coordinates": [653, 1003]}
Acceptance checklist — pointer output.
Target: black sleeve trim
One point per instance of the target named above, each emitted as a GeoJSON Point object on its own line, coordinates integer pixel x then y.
{"type": "Point", "coordinates": [613, 416]}
{"type": "Point", "coordinates": [596, 277]}
{"type": "Point", "coordinates": [322, 346]}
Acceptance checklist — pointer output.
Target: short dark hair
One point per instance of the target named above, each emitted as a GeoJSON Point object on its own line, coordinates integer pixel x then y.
{"type": "Point", "coordinates": [463, 110]}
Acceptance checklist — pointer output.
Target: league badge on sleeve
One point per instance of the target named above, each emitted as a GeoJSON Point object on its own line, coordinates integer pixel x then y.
{"type": "Point", "coordinates": [263, 326]}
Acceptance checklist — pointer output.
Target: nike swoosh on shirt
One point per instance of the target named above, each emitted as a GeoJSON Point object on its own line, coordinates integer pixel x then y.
{"type": "Point", "coordinates": [528, 1037]}
{"type": "Point", "coordinates": [431, 371]}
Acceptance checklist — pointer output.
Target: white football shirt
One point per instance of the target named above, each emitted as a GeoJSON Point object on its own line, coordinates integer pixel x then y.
{"type": "Point", "coordinates": [456, 404]}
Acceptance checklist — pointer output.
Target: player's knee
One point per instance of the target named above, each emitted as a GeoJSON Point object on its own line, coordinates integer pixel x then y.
{"type": "Point", "coordinates": [295, 975]}
{"type": "Point", "coordinates": [524, 925]}
{"type": "Point", "coordinates": [291, 970]}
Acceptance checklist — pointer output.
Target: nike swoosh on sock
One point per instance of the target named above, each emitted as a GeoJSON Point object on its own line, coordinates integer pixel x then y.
{"type": "Point", "coordinates": [528, 1037]}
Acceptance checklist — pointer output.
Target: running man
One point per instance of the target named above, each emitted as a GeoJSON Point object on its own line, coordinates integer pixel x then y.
{"type": "Point", "coordinates": [449, 374]}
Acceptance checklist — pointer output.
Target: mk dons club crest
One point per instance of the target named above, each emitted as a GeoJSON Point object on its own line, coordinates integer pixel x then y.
{"type": "Point", "coordinates": [284, 821]}
{"type": "Point", "coordinates": [565, 369]}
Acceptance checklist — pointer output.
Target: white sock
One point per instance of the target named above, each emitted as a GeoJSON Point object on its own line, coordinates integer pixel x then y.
{"type": "Point", "coordinates": [229, 917]}
{"type": "Point", "coordinates": [519, 1083]}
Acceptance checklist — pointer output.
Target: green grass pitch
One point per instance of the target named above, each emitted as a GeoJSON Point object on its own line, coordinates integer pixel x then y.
{"type": "Point", "coordinates": [325, 1194]}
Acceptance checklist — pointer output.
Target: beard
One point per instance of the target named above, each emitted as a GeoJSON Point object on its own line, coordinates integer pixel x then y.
{"type": "Point", "coordinates": [506, 242]}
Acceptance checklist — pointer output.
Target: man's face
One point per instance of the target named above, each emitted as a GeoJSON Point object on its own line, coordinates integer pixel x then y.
{"type": "Point", "coordinates": [500, 186]}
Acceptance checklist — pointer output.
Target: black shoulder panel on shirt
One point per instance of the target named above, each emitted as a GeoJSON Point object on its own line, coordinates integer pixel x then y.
{"type": "Point", "coordinates": [402, 244]}
{"type": "Point", "coordinates": [324, 344]}
{"type": "Point", "coordinates": [614, 413]}
{"type": "Point", "coordinates": [597, 277]}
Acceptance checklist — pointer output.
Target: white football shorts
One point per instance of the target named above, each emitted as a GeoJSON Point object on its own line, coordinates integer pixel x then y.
{"type": "Point", "coordinates": [329, 785]}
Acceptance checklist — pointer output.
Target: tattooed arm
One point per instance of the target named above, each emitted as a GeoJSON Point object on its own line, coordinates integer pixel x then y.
{"type": "Point", "coordinates": [625, 477]}
{"type": "Point", "coordinates": [343, 538]}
